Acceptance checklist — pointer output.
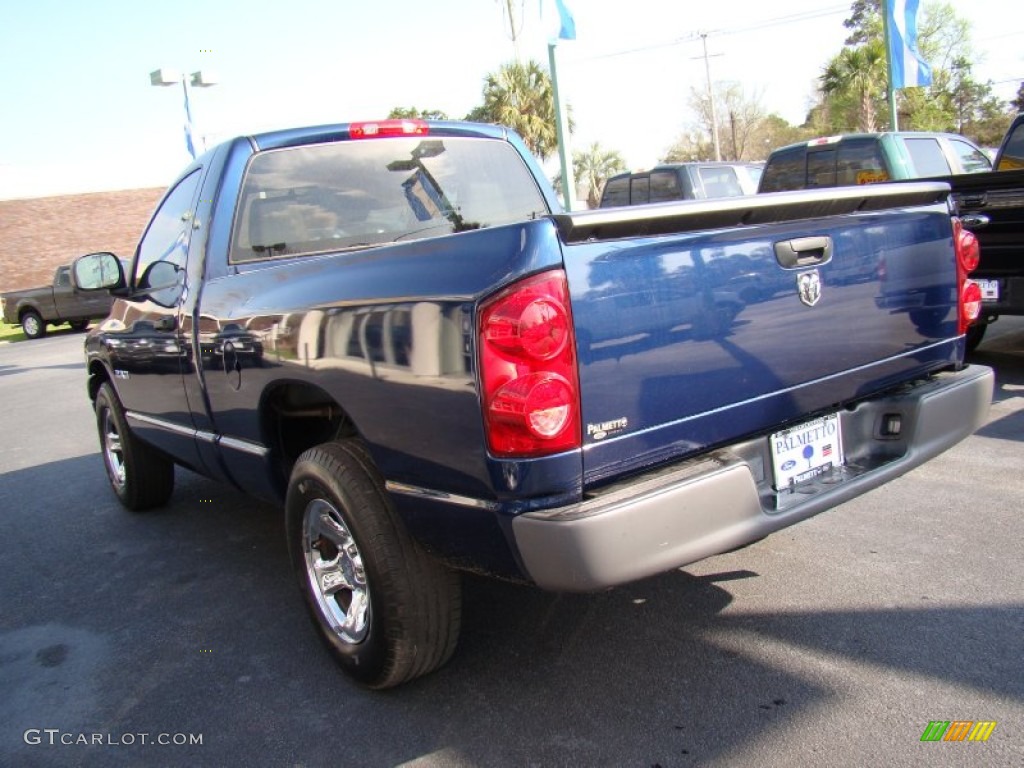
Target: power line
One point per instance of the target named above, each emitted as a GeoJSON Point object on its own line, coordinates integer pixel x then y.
{"type": "Point", "coordinates": [794, 18]}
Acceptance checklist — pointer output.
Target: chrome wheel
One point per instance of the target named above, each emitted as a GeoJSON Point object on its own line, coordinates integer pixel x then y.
{"type": "Point", "coordinates": [335, 571]}
{"type": "Point", "coordinates": [33, 326]}
{"type": "Point", "coordinates": [113, 452]}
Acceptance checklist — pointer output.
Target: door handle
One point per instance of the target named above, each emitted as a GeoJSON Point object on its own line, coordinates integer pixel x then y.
{"type": "Point", "coordinates": [804, 251]}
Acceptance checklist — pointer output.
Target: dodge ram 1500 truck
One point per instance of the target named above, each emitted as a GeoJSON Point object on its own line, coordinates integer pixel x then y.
{"type": "Point", "coordinates": [59, 303]}
{"type": "Point", "coordinates": [382, 327]}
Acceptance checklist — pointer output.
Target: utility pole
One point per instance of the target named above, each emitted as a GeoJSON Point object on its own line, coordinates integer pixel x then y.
{"type": "Point", "coordinates": [711, 98]}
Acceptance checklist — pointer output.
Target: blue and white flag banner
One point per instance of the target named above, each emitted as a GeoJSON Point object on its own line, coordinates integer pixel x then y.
{"type": "Point", "coordinates": [907, 68]}
{"type": "Point", "coordinates": [567, 24]}
{"type": "Point", "coordinates": [188, 123]}
{"type": "Point", "coordinates": [562, 28]}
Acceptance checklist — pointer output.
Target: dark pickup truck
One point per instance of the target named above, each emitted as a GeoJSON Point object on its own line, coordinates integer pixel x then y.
{"type": "Point", "coordinates": [392, 330]}
{"type": "Point", "coordinates": [55, 304]}
{"type": "Point", "coordinates": [992, 206]}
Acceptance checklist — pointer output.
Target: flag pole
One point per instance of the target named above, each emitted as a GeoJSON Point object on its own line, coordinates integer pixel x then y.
{"type": "Point", "coordinates": [562, 133]}
{"type": "Point", "coordinates": [886, 16]}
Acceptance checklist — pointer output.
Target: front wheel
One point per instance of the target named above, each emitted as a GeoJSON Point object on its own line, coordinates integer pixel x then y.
{"type": "Point", "coordinates": [388, 611]}
{"type": "Point", "coordinates": [32, 325]}
{"type": "Point", "coordinates": [141, 476]}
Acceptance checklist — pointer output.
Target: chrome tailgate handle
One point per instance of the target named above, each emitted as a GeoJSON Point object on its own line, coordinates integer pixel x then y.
{"type": "Point", "coordinates": [804, 251]}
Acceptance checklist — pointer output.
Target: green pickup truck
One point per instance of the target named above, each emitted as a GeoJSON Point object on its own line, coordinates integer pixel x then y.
{"type": "Point", "coordinates": [34, 308]}
{"type": "Point", "coordinates": [865, 158]}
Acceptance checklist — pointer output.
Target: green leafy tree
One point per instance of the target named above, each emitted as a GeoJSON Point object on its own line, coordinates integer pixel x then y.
{"type": "Point", "coordinates": [865, 22]}
{"type": "Point", "coordinates": [412, 113]}
{"type": "Point", "coordinates": [1018, 102]}
{"type": "Point", "coordinates": [520, 95]}
{"type": "Point", "coordinates": [858, 72]}
{"type": "Point", "coordinates": [594, 167]}
{"type": "Point", "coordinates": [954, 101]}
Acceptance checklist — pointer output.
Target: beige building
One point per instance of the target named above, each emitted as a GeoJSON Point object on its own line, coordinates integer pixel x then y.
{"type": "Point", "coordinates": [39, 234]}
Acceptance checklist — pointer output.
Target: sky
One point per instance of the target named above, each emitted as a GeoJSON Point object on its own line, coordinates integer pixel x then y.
{"type": "Point", "coordinates": [80, 115]}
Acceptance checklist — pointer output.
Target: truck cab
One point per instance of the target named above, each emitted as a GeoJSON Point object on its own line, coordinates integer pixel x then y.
{"type": "Point", "coordinates": [681, 181]}
{"type": "Point", "coordinates": [867, 158]}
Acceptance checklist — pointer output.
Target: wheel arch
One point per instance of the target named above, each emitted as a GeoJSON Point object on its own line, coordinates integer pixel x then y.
{"type": "Point", "coordinates": [96, 375]}
{"type": "Point", "coordinates": [296, 416]}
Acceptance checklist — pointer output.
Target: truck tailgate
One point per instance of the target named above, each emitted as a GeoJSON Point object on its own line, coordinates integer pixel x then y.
{"type": "Point", "coordinates": [702, 323]}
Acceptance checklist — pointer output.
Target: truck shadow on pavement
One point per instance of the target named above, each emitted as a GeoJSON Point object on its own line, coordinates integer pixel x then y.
{"type": "Point", "coordinates": [1005, 354]}
{"type": "Point", "coordinates": [187, 619]}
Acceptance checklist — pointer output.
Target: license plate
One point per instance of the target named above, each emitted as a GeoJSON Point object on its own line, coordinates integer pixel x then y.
{"type": "Point", "coordinates": [989, 289]}
{"type": "Point", "coordinates": [803, 452]}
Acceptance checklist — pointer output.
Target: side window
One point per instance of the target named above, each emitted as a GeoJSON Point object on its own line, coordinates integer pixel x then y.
{"type": "Point", "coordinates": [860, 162]}
{"type": "Point", "coordinates": [164, 247]}
{"type": "Point", "coordinates": [616, 192]}
{"type": "Point", "coordinates": [783, 171]}
{"type": "Point", "coordinates": [1013, 153]}
{"type": "Point", "coordinates": [927, 158]}
{"type": "Point", "coordinates": [664, 186]}
{"type": "Point", "coordinates": [640, 190]}
{"type": "Point", "coordinates": [821, 168]}
{"type": "Point", "coordinates": [972, 159]}
{"type": "Point", "coordinates": [719, 181]}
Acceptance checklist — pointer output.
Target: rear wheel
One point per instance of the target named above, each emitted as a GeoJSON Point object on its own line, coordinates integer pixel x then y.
{"type": "Point", "coordinates": [78, 325]}
{"type": "Point", "coordinates": [141, 476]}
{"type": "Point", "coordinates": [387, 610]}
{"type": "Point", "coordinates": [32, 325]}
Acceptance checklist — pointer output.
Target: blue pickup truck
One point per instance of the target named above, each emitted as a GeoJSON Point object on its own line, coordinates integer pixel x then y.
{"type": "Point", "coordinates": [392, 330]}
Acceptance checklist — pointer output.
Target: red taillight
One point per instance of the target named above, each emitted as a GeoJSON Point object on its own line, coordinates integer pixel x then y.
{"type": "Point", "coordinates": [378, 128]}
{"type": "Point", "coordinates": [528, 369]}
{"type": "Point", "coordinates": [970, 303]}
{"type": "Point", "coordinates": [968, 254]}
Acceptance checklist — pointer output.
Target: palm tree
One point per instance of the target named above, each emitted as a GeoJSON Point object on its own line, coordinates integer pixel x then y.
{"type": "Point", "coordinates": [520, 96]}
{"type": "Point", "coordinates": [859, 72]}
{"type": "Point", "coordinates": [595, 166]}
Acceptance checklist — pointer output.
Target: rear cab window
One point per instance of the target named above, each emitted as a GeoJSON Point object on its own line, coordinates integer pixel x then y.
{"type": "Point", "coordinates": [860, 161]}
{"type": "Point", "coordinates": [785, 169]}
{"type": "Point", "coordinates": [821, 168]}
{"type": "Point", "coordinates": [616, 192]}
{"type": "Point", "coordinates": [640, 190]}
{"type": "Point", "coordinates": [665, 186]}
{"type": "Point", "coordinates": [355, 194]}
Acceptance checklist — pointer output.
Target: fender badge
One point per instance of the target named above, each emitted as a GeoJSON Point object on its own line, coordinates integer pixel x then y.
{"type": "Point", "coordinates": [602, 430]}
{"type": "Point", "coordinates": [808, 287]}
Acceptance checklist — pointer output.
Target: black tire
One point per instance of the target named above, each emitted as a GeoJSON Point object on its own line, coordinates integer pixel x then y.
{"type": "Point", "coordinates": [387, 610]}
{"type": "Point", "coordinates": [975, 334]}
{"type": "Point", "coordinates": [32, 325]}
{"type": "Point", "coordinates": [78, 325]}
{"type": "Point", "coordinates": [140, 475]}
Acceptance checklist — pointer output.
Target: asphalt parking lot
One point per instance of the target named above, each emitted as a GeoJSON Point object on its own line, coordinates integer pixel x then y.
{"type": "Point", "coordinates": [178, 637]}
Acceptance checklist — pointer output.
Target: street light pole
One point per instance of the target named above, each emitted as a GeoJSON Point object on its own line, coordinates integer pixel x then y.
{"type": "Point", "coordinates": [199, 79]}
